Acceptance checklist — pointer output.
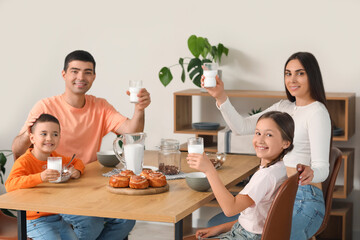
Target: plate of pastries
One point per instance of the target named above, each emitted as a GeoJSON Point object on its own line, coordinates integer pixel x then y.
{"type": "Point", "coordinates": [147, 182]}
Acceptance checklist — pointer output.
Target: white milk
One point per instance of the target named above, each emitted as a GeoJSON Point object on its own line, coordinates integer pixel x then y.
{"type": "Point", "coordinates": [134, 157]}
{"type": "Point", "coordinates": [133, 94]}
{"type": "Point", "coordinates": [56, 164]}
{"type": "Point", "coordinates": [210, 80]}
{"type": "Point", "coordinates": [197, 148]}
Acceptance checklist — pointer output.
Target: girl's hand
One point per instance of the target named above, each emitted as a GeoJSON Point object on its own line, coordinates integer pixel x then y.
{"type": "Point", "coordinates": [199, 162]}
{"type": "Point", "coordinates": [217, 92]}
{"type": "Point", "coordinates": [49, 175]}
{"type": "Point", "coordinates": [306, 174]}
{"type": "Point", "coordinates": [75, 174]}
{"type": "Point", "coordinates": [208, 232]}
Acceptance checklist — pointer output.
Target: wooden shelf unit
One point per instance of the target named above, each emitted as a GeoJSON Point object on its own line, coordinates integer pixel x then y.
{"type": "Point", "coordinates": [340, 223]}
{"type": "Point", "coordinates": [343, 191]}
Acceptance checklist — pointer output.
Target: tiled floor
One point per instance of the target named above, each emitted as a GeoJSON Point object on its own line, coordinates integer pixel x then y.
{"type": "Point", "coordinates": [151, 231]}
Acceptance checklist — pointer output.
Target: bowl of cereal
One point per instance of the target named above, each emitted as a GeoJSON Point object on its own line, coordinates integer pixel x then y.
{"type": "Point", "coordinates": [217, 159]}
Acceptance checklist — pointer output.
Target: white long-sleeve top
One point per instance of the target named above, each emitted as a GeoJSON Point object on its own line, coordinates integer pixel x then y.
{"type": "Point", "coordinates": [311, 138]}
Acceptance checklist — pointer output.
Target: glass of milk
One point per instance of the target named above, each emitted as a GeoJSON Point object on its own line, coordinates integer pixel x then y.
{"type": "Point", "coordinates": [134, 89]}
{"type": "Point", "coordinates": [56, 164]}
{"type": "Point", "coordinates": [196, 145]}
{"type": "Point", "coordinates": [210, 70]}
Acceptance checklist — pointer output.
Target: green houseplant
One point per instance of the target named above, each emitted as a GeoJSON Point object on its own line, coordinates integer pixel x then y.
{"type": "Point", "coordinates": [203, 52]}
{"type": "Point", "coordinates": [3, 159]}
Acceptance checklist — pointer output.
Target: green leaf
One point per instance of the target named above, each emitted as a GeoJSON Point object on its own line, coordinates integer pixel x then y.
{"type": "Point", "coordinates": [192, 45]}
{"type": "Point", "coordinates": [7, 212]}
{"type": "Point", "coordinates": [165, 76]}
{"type": "Point", "coordinates": [201, 46]}
{"type": "Point", "coordinates": [1, 179]}
{"type": "Point", "coordinates": [205, 60]}
{"type": "Point", "coordinates": [2, 159]}
{"type": "Point", "coordinates": [181, 62]}
{"type": "Point", "coordinates": [195, 71]}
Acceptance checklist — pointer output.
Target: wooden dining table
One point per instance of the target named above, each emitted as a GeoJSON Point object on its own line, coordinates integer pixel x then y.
{"type": "Point", "coordinates": [89, 196]}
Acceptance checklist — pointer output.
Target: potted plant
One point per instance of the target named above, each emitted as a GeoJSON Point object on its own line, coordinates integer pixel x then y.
{"type": "Point", "coordinates": [203, 52]}
{"type": "Point", "coordinates": [3, 159]}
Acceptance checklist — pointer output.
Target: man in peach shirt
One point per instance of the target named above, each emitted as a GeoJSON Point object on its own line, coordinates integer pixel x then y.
{"type": "Point", "coordinates": [85, 120]}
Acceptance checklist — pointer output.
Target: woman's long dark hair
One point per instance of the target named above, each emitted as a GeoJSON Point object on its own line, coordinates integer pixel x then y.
{"type": "Point", "coordinates": [311, 66]}
{"type": "Point", "coordinates": [286, 126]}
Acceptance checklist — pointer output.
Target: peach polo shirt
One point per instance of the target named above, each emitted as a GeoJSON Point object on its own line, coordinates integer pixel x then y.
{"type": "Point", "coordinates": [82, 129]}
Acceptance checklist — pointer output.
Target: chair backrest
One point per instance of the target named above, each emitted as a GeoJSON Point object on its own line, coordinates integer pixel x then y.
{"type": "Point", "coordinates": [8, 227]}
{"type": "Point", "coordinates": [278, 222]}
{"type": "Point", "coordinates": [329, 184]}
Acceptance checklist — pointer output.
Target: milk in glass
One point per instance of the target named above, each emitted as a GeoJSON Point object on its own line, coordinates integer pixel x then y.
{"type": "Point", "coordinates": [56, 164]}
{"type": "Point", "coordinates": [134, 157]}
{"type": "Point", "coordinates": [210, 80]}
{"type": "Point", "coordinates": [196, 148]}
{"type": "Point", "coordinates": [134, 88]}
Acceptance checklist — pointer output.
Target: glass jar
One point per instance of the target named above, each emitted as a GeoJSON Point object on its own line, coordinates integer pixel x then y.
{"type": "Point", "coordinates": [169, 157]}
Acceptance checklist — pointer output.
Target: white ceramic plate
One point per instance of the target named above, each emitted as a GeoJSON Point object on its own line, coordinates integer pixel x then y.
{"type": "Point", "coordinates": [151, 167]}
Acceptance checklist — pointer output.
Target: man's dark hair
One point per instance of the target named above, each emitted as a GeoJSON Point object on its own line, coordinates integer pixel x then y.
{"type": "Point", "coordinates": [79, 55]}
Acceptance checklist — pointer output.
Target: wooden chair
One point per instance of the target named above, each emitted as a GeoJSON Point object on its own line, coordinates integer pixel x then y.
{"type": "Point", "coordinates": [278, 222]}
{"type": "Point", "coordinates": [8, 227]}
{"type": "Point", "coordinates": [328, 186]}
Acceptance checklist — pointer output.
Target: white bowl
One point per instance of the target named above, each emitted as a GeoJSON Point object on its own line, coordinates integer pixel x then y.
{"type": "Point", "coordinates": [197, 181]}
{"type": "Point", "coordinates": [107, 158]}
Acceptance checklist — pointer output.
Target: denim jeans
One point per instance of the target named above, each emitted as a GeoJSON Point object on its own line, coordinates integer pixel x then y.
{"type": "Point", "coordinates": [50, 227]}
{"type": "Point", "coordinates": [237, 232]}
{"type": "Point", "coordinates": [220, 219]}
{"type": "Point", "coordinates": [91, 228]}
{"type": "Point", "coordinates": [308, 213]}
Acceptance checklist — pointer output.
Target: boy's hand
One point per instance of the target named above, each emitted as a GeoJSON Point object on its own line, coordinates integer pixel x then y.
{"type": "Point", "coordinates": [199, 162]}
{"type": "Point", "coordinates": [49, 175]}
{"type": "Point", "coordinates": [75, 174]}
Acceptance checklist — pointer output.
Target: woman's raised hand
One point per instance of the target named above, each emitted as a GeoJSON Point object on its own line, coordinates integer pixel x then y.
{"type": "Point", "coordinates": [217, 92]}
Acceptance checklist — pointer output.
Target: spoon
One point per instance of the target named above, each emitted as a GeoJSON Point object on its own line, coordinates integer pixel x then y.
{"type": "Point", "coordinates": [67, 165]}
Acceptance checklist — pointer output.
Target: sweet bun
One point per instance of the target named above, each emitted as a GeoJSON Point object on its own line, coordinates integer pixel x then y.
{"type": "Point", "coordinates": [157, 179]}
{"type": "Point", "coordinates": [138, 182]}
{"type": "Point", "coordinates": [119, 181]}
{"type": "Point", "coordinates": [145, 173]}
{"type": "Point", "coordinates": [127, 173]}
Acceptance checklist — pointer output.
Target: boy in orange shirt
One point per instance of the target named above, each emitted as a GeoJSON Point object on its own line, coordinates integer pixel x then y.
{"type": "Point", "coordinates": [28, 171]}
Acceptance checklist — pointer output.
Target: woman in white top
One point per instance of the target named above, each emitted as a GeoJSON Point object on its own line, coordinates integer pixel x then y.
{"type": "Point", "coordinates": [307, 105]}
{"type": "Point", "coordinates": [273, 139]}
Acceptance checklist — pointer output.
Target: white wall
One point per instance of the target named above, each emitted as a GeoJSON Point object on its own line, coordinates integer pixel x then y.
{"type": "Point", "coordinates": [134, 39]}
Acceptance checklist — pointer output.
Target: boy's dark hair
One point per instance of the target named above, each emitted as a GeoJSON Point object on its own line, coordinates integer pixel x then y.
{"type": "Point", "coordinates": [79, 55]}
{"type": "Point", "coordinates": [45, 118]}
{"type": "Point", "coordinates": [311, 66]}
{"type": "Point", "coordinates": [286, 125]}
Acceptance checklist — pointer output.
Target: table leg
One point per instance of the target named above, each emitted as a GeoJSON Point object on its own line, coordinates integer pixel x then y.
{"type": "Point", "coordinates": [21, 218]}
{"type": "Point", "coordinates": [179, 230]}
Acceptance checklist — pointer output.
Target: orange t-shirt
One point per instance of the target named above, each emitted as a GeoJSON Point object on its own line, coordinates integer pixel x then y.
{"type": "Point", "coordinates": [26, 171]}
{"type": "Point", "coordinates": [82, 129]}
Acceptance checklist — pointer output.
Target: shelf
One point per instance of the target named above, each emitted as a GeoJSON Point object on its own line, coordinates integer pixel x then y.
{"type": "Point", "coordinates": [340, 222]}
{"type": "Point", "coordinates": [342, 192]}
{"type": "Point", "coordinates": [341, 107]}
{"type": "Point", "coordinates": [200, 132]}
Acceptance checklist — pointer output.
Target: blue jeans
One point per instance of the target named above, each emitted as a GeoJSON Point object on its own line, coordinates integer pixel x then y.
{"type": "Point", "coordinates": [50, 227]}
{"type": "Point", "coordinates": [91, 228]}
{"type": "Point", "coordinates": [237, 232]}
{"type": "Point", "coordinates": [308, 213]}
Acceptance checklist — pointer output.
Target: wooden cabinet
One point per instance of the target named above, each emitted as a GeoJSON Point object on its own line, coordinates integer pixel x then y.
{"type": "Point", "coordinates": [341, 107]}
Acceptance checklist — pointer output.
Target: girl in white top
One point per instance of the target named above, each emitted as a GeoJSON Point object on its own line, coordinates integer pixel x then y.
{"type": "Point", "coordinates": [273, 138]}
{"type": "Point", "coordinates": [307, 105]}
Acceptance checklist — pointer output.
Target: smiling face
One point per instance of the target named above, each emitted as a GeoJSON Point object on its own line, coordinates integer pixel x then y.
{"type": "Point", "coordinates": [267, 141]}
{"type": "Point", "coordinates": [79, 77]}
{"type": "Point", "coordinates": [45, 137]}
{"type": "Point", "coordinates": [297, 83]}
